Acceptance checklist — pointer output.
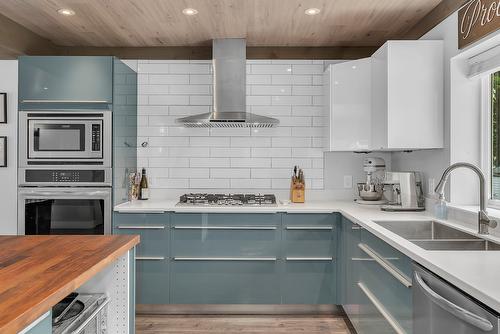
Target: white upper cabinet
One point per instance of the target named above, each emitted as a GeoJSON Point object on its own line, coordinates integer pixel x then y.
{"type": "Point", "coordinates": [407, 96]}
{"type": "Point", "coordinates": [347, 92]}
{"type": "Point", "coordinates": [392, 101]}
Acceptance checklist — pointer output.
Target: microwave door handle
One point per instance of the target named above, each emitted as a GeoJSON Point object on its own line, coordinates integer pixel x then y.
{"type": "Point", "coordinates": [457, 311]}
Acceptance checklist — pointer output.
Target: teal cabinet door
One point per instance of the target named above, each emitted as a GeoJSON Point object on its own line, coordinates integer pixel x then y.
{"type": "Point", "coordinates": [351, 297]}
{"type": "Point", "coordinates": [309, 248]}
{"type": "Point", "coordinates": [385, 284]}
{"type": "Point", "coordinates": [42, 325]}
{"type": "Point", "coordinates": [225, 258]}
{"type": "Point", "coordinates": [224, 281]}
{"type": "Point", "coordinates": [152, 254]}
{"type": "Point", "coordinates": [61, 78]}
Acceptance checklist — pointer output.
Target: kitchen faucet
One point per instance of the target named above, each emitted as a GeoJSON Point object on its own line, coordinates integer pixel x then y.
{"type": "Point", "coordinates": [483, 220]}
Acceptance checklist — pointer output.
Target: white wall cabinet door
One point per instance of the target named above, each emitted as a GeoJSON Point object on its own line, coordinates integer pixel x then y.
{"type": "Point", "coordinates": [407, 96]}
{"type": "Point", "coordinates": [348, 106]}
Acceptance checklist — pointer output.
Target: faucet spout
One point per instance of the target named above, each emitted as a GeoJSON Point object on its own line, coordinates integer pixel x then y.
{"type": "Point", "coordinates": [483, 220]}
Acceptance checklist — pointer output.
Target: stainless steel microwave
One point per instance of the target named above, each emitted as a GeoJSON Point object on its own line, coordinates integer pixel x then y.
{"type": "Point", "coordinates": [80, 137]}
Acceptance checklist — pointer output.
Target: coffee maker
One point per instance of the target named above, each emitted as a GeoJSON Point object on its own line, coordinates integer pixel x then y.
{"type": "Point", "coordinates": [403, 191]}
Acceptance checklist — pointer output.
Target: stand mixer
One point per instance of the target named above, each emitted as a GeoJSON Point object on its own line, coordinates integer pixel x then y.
{"type": "Point", "coordinates": [372, 190]}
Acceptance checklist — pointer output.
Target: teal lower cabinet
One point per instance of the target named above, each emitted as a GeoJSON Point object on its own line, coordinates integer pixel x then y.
{"type": "Point", "coordinates": [350, 295]}
{"type": "Point", "coordinates": [225, 258]}
{"type": "Point", "coordinates": [384, 286]}
{"type": "Point", "coordinates": [42, 325]}
{"type": "Point", "coordinates": [152, 254]}
{"type": "Point", "coordinates": [309, 248]}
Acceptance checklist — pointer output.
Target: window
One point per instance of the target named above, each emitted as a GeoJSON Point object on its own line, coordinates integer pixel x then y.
{"type": "Point", "coordinates": [494, 168]}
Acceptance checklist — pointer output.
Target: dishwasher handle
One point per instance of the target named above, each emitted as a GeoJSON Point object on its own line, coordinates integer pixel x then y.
{"type": "Point", "coordinates": [457, 311]}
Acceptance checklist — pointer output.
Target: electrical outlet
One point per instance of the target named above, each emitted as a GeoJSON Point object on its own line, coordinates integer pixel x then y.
{"type": "Point", "coordinates": [348, 181]}
{"type": "Point", "coordinates": [431, 184]}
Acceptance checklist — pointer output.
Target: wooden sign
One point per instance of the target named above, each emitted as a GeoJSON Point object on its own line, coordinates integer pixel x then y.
{"type": "Point", "coordinates": [477, 19]}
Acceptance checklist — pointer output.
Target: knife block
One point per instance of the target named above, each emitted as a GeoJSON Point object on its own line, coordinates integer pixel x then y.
{"type": "Point", "coordinates": [297, 192]}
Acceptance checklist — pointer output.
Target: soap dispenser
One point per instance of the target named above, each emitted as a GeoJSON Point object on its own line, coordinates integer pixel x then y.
{"type": "Point", "coordinates": [441, 208]}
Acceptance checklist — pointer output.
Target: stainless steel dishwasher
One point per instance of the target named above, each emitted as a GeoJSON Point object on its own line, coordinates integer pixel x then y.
{"type": "Point", "coordinates": [440, 308]}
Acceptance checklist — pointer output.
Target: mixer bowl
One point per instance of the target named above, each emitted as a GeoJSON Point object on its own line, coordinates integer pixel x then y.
{"type": "Point", "coordinates": [370, 192]}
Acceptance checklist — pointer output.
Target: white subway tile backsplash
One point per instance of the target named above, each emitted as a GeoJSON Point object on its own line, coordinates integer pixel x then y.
{"type": "Point", "coordinates": [168, 79]}
{"type": "Point", "coordinates": [232, 173]}
{"type": "Point", "coordinates": [237, 158]}
{"type": "Point", "coordinates": [210, 162]}
{"type": "Point", "coordinates": [279, 79]}
{"type": "Point", "coordinates": [168, 99]}
{"type": "Point", "coordinates": [268, 152]}
{"type": "Point", "coordinates": [209, 183]}
{"type": "Point", "coordinates": [189, 173]}
{"type": "Point", "coordinates": [251, 183]}
{"type": "Point", "coordinates": [210, 141]}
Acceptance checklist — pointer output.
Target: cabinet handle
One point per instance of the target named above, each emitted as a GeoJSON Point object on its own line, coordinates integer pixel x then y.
{"type": "Point", "coordinates": [64, 101]}
{"type": "Point", "coordinates": [356, 227]}
{"type": "Point", "coordinates": [309, 258]}
{"type": "Point", "coordinates": [378, 305]}
{"type": "Point", "coordinates": [177, 227]}
{"type": "Point", "coordinates": [402, 278]}
{"type": "Point", "coordinates": [140, 227]}
{"type": "Point", "coordinates": [309, 228]}
{"type": "Point", "coordinates": [224, 259]}
{"type": "Point", "coordinates": [150, 258]}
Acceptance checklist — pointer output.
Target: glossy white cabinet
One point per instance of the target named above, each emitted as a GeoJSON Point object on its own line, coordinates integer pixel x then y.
{"type": "Point", "coordinates": [347, 92]}
{"type": "Point", "coordinates": [407, 95]}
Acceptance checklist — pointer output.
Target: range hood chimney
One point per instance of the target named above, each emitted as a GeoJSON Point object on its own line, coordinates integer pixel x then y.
{"type": "Point", "coordinates": [229, 90]}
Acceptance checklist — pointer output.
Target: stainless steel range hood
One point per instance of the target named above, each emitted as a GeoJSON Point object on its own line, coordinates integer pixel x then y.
{"type": "Point", "coordinates": [229, 90]}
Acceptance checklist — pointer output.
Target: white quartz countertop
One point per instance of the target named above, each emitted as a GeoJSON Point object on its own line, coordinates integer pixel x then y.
{"type": "Point", "coordinates": [475, 272]}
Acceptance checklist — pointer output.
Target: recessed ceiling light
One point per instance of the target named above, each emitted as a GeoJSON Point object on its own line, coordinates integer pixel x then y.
{"type": "Point", "coordinates": [189, 11]}
{"type": "Point", "coordinates": [66, 12]}
{"type": "Point", "coordinates": [312, 11]}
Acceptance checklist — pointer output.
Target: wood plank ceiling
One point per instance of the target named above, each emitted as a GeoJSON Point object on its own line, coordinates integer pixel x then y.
{"type": "Point", "coordinates": [160, 23]}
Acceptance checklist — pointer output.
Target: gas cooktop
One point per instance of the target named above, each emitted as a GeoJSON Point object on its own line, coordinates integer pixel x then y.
{"type": "Point", "coordinates": [227, 200]}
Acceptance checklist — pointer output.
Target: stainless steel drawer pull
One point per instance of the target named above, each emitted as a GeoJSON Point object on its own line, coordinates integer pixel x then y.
{"type": "Point", "coordinates": [459, 312]}
{"type": "Point", "coordinates": [224, 259]}
{"type": "Point", "coordinates": [180, 227]}
{"type": "Point", "coordinates": [141, 227]}
{"type": "Point", "coordinates": [150, 258]}
{"type": "Point", "coordinates": [402, 278]}
{"type": "Point", "coordinates": [309, 258]}
{"type": "Point", "coordinates": [64, 101]}
{"type": "Point", "coordinates": [309, 228]}
{"type": "Point", "coordinates": [356, 227]}
{"type": "Point", "coordinates": [378, 305]}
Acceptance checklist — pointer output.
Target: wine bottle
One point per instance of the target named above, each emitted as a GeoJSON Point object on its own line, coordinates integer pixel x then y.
{"type": "Point", "coordinates": [144, 192]}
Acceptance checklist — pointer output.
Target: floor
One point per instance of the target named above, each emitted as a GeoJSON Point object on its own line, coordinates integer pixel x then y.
{"type": "Point", "coordinates": [247, 324]}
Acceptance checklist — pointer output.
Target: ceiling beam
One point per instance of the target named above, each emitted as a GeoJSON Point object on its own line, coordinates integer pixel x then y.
{"type": "Point", "coordinates": [205, 52]}
{"type": "Point", "coordinates": [16, 40]}
{"type": "Point", "coordinates": [435, 16]}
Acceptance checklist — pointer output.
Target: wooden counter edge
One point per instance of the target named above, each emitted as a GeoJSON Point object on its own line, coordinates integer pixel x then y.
{"type": "Point", "coordinates": [27, 317]}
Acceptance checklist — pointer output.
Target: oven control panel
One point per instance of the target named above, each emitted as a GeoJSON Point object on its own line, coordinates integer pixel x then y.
{"type": "Point", "coordinates": [64, 176]}
{"type": "Point", "coordinates": [96, 137]}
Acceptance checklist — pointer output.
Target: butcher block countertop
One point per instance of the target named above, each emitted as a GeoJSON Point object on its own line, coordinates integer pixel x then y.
{"type": "Point", "coordinates": [36, 272]}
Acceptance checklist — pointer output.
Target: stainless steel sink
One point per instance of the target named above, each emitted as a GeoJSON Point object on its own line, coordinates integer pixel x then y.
{"type": "Point", "coordinates": [432, 235]}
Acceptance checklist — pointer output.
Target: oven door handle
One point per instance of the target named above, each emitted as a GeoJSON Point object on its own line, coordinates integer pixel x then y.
{"type": "Point", "coordinates": [66, 192]}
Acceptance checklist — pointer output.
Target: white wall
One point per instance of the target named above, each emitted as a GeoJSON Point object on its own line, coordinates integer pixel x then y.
{"type": "Point", "coordinates": [258, 160]}
{"type": "Point", "coordinates": [8, 176]}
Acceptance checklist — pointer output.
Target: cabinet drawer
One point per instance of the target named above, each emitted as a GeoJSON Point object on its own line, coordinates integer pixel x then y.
{"type": "Point", "coordinates": [309, 235]}
{"type": "Point", "coordinates": [225, 241]}
{"type": "Point", "coordinates": [225, 219]}
{"type": "Point", "coordinates": [224, 281]}
{"type": "Point", "coordinates": [152, 279]}
{"type": "Point", "coordinates": [152, 228]}
{"type": "Point", "coordinates": [309, 281]}
{"type": "Point", "coordinates": [54, 79]}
